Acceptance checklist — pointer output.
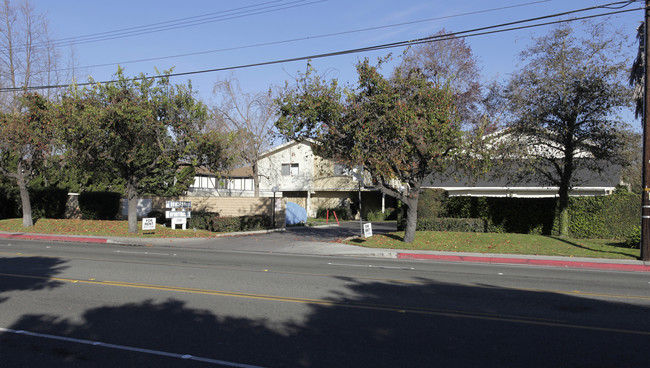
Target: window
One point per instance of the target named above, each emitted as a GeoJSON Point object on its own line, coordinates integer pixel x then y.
{"type": "Point", "coordinates": [290, 169]}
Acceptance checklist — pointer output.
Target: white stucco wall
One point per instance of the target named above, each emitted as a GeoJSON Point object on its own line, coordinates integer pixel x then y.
{"type": "Point", "coordinates": [270, 168]}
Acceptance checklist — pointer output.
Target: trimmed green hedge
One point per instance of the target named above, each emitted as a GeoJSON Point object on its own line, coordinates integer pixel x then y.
{"type": "Point", "coordinates": [211, 221]}
{"type": "Point", "coordinates": [48, 202]}
{"type": "Point", "coordinates": [610, 217]}
{"type": "Point", "coordinates": [466, 225]}
{"type": "Point", "coordinates": [342, 213]}
{"type": "Point", "coordinates": [507, 215]}
{"type": "Point", "coordinates": [99, 205]}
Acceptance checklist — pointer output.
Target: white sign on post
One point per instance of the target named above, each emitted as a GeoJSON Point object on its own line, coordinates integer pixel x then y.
{"type": "Point", "coordinates": [148, 223]}
{"type": "Point", "coordinates": [178, 204]}
{"type": "Point", "coordinates": [179, 221]}
{"type": "Point", "coordinates": [177, 214]}
{"type": "Point", "coordinates": [367, 230]}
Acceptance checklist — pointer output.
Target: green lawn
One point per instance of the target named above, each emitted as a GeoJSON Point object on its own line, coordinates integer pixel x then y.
{"type": "Point", "coordinates": [502, 243]}
{"type": "Point", "coordinates": [424, 240]}
{"type": "Point", "coordinates": [98, 228]}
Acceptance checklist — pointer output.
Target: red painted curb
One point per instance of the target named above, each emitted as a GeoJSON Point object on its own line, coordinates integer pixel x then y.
{"type": "Point", "coordinates": [524, 261]}
{"type": "Point", "coordinates": [53, 238]}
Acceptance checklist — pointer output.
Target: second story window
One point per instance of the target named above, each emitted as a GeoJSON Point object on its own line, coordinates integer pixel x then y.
{"type": "Point", "coordinates": [290, 169]}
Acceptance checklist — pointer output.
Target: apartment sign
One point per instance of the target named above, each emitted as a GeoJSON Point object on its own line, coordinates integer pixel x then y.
{"type": "Point", "coordinates": [178, 209]}
{"type": "Point", "coordinates": [178, 204]}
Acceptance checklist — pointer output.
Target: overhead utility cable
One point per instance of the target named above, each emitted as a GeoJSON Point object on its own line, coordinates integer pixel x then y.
{"type": "Point", "coordinates": [468, 33]}
{"type": "Point", "coordinates": [302, 38]}
{"type": "Point", "coordinates": [235, 13]}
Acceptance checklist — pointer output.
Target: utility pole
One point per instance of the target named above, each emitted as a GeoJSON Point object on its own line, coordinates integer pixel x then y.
{"type": "Point", "coordinates": [645, 198]}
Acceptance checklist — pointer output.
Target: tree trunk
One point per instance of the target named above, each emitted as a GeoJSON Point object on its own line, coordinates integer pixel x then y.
{"type": "Point", "coordinates": [26, 203]}
{"type": "Point", "coordinates": [256, 179]}
{"type": "Point", "coordinates": [132, 200]}
{"type": "Point", "coordinates": [411, 219]}
{"type": "Point", "coordinates": [563, 211]}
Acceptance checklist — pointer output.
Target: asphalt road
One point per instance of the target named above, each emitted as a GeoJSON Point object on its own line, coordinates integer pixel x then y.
{"type": "Point", "coordinates": [81, 305]}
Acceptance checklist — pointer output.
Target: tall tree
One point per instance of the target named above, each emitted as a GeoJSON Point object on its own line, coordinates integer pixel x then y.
{"type": "Point", "coordinates": [27, 140]}
{"type": "Point", "coordinates": [250, 117]}
{"type": "Point", "coordinates": [449, 61]}
{"type": "Point", "coordinates": [564, 106]}
{"type": "Point", "coordinates": [28, 57]}
{"type": "Point", "coordinates": [138, 128]}
{"type": "Point", "coordinates": [402, 130]}
{"type": "Point", "coordinates": [637, 72]}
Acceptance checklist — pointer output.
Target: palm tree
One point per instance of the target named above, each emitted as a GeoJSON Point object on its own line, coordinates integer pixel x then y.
{"type": "Point", "coordinates": [637, 73]}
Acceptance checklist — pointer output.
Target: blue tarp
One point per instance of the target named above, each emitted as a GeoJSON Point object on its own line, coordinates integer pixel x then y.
{"type": "Point", "coordinates": [295, 214]}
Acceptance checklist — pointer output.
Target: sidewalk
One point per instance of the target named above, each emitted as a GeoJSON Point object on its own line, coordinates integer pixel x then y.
{"type": "Point", "coordinates": [339, 249]}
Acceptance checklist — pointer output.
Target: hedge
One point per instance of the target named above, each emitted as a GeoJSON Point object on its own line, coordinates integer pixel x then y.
{"type": "Point", "coordinates": [48, 202]}
{"type": "Point", "coordinates": [608, 217]}
{"type": "Point", "coordinates": [211, 221]}
{"type": "Point", "coordinates": [342, 213]}
{"type": "Point", "coordinates": [507, 215]}
{"type": "Point", "coordinates": [466, 225]}
{"type": "Point", "coordinates": [99, 205]}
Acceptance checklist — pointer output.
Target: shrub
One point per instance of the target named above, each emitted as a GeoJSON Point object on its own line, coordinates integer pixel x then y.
{"type": "Point", "coordinates": [465, 225]}
{"type": "Point", "coordinates": [159, 215]}
{"type": "Point", "coordinates": [633, 238]}
{"type": "Point", "coordinates": [48, 202]}
{"type": "Point", "coordinates": [389, 213]}
{"type": "Point", "coordinates": [432, 203]}
{"type": "Point", "coordinates": [610, 217]}
{"type": "Point", "coordinates": [342, 213]}
{"type": "Point", "coordinates": [202, 220]}
{"type": "Point", "coordinates": [99, 205]}
{"type": "Point", "coordinates": [211, 221]}
{"type": "Point", "coordinates": [502, 214]}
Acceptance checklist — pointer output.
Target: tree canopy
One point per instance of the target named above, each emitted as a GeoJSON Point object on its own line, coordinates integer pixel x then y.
{"type": "Point", "coordinates": [564, 106]}
{"type": "Point", "coordinates": [402, 129]}
{"type": "Point", "coordinates": [250, 118]}
{"type": "Point", "coordinates": [27, 140]}
{"type": "Point", "coordinates": [144, 130]}
{"type": "Point", "coordinates": [449, 61]}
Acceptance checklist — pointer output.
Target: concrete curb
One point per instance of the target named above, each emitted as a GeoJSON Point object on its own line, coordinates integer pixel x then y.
{"type": "Point", "coordinates": [594, 264]}
{"type": "Point", "coordinates": [62, 238]}
{"type": "Point", "coordinates": [604, 265]}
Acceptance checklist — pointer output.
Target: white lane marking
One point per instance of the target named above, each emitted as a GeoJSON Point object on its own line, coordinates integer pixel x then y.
{"type": "Point", "coordinates": [369, 266]}
{"type": "Point", "coordinates": [147, 253]}
{"type": "Point", "coordinates": [127, 348]}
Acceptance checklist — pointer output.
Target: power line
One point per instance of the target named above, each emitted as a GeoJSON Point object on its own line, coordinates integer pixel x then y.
{"type": "Point", "coordinates": [223, 15]}
{"type": "Point", "coordinates": [305, 38]}
{"type": "Point", "coordinates": [467, 33]}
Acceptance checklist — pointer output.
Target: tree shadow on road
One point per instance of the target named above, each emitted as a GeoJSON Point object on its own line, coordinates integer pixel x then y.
{"type": "Point", "coordinates": [423, 323]}
{"type": "Point", "coordinates": [29, 273]}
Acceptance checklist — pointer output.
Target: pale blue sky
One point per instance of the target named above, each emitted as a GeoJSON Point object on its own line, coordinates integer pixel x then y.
{"type": "Point", "coordinates": [288, 20]}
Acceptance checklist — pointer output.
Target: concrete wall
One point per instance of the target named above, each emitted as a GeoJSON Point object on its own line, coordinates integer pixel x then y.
{"type": "Point", "coordinates": [230, 206]}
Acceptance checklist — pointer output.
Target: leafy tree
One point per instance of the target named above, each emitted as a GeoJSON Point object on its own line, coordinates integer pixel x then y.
{"type": "Point", "coordinates": [564, 103]}
{"type": "Point", "coordinates": [402, 130]}
{"type": "Point", "coordinates": [250, 117]}
{"type": "Point", "coordinates": [449, 61]}
{"type": "Point", "coordinates": [142, 129]}
{"type": "Point", "coordinates": [27, 140]}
